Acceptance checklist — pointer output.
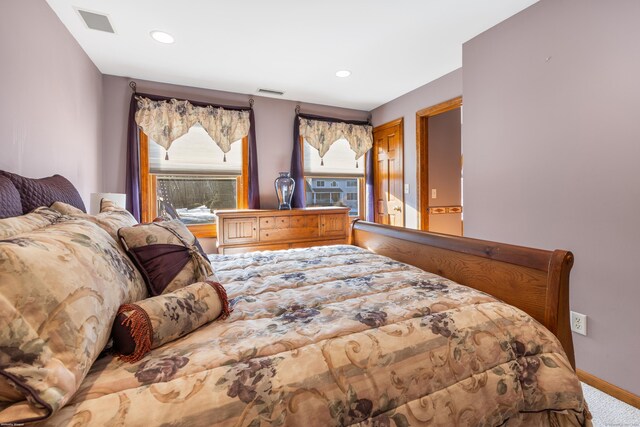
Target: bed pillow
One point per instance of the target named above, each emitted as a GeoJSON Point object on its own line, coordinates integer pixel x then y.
{"type": "Point", "coordinates": [150, 323]}
{"type": "Point", "coordinates": [111, 217]}
{"type": "Point", "coordinates": [60, 289]}
{"type": "Point", "coordinates": [45, 191]}
{"type": "Point", "coordinates": [10, 204]}
{"type": "Point", "coordinates": [167, 254]}
{"type": "Point", "coordinates": [39, 218]}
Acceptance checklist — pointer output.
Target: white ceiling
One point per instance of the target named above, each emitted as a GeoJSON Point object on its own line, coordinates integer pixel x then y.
{"type": "Point", "coordinates": [296, 46]}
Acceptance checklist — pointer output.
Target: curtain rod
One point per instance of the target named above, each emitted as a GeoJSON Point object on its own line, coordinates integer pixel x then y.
{"type": "Point", "coordinates": [332, 119]}
{"type": "Point", "coordinates": [133, 86]}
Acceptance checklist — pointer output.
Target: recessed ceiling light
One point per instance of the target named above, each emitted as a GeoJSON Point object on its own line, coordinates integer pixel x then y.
{"type": "Point", "coordinates": [343, 73]}
{"type": "Point", "coordinates": [162, 37]}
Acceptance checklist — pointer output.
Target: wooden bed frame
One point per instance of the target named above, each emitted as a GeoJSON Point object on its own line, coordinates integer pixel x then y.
{"type": "Point", "coordinates": [534, 280]}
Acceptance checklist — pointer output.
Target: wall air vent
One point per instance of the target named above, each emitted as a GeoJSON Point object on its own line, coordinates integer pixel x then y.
{"type": "Point", "coordinates": [96, 21]}
{"type": "Point", "coordinates": [271, 92]}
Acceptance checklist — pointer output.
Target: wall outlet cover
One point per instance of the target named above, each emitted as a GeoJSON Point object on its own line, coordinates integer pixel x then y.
{"type": "Point", "coordinates": [434, 193]}
{"type": "Point", "coordinates": [579, 323]}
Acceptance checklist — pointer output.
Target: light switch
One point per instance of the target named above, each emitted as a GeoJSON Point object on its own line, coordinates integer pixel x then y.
{"type": "Point", "coordinates": [434, 193]}
{"type": "Point", "coordinates": [406, 189]}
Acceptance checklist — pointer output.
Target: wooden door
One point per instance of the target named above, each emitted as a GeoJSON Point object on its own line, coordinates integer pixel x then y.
{"type": "Point", "coordinates": [388, 175]}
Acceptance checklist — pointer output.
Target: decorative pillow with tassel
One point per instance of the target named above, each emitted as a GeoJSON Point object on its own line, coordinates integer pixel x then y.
{"type": "Point", "coordinates": [167, 254]}
{"type": "Point", "coordinates": [152, 322]}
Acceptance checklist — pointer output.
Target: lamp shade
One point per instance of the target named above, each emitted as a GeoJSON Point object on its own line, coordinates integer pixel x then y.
{"type": "Point", "coordinates": [120, 200]}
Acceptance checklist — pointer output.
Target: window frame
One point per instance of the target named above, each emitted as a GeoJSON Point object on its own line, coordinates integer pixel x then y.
{"type": "Point", "coordinates": [148, 189]}
{"type": "Point", "coordinates": [361, 184]}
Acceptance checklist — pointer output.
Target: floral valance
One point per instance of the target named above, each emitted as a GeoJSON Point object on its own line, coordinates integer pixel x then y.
{"type": "Point", "coordinates": [322, 134]}
{"type": "Point", "coordinates": [166, 121]}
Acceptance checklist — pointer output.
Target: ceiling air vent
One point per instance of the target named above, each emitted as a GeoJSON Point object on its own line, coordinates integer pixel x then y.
{"type": "Point", "coordinates": [271, 92]}
{"type": "Point", "coordinates": [96, 21]}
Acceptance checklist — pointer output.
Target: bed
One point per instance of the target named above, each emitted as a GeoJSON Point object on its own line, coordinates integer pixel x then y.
{"type": "Point", "coordinates": [361, 334]}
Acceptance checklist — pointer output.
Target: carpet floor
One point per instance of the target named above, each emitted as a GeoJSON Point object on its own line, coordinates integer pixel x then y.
{"type": "Point", "coordinates": [609, 411]}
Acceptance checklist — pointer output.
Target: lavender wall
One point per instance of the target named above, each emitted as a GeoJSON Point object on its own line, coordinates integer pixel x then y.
{"type": "Point", "coordinates": [440, 90]}
{"type": "Point", "coordinates": [50, 98]}
{"type": "Point", "coordinates": [274, 128]}
{"type": "Point", "coordinates": [551, 141]}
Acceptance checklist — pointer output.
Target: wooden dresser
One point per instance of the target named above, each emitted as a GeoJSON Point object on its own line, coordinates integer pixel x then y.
{"type": "Point", "coordinates": [260, 230]}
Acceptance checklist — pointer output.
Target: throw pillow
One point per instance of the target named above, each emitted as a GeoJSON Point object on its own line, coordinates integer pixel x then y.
{"type": "Point", "coordinates": [167, 254]}
{"type": "Point", "coordinates": [150, 323]}
{"type": "Point", "coordinates": [44, 191]}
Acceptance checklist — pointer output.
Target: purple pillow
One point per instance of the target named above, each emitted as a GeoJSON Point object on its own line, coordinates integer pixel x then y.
{"type": "Point", "coordinates": [45, 191]}
{"type": "Point", "coordinates": [10, 204]}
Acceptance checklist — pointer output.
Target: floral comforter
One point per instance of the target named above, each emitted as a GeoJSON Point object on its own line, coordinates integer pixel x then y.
{"type": "Point", "coordinates": [337, 335]}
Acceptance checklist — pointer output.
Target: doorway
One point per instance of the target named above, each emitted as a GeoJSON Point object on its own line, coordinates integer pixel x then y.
{"type": "Point", "coordinates": [388, 174]}
{"type": "Point", "coordinates": [439, 167]}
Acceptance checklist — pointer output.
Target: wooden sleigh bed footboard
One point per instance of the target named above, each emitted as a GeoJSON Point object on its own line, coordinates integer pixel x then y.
{"type": "Point", "coordinates": [534, 280]}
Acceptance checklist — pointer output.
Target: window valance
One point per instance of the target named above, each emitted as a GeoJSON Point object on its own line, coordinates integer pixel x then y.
{"type": "Point", "coordinates": [322, 134]}
{"type": "Point", "coordinates": [166, 121]}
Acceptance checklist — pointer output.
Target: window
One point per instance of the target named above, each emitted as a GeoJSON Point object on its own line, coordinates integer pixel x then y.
{"type": "Point", "coordinates": [194, 181]}
{"type": "Point", "coordinates": [346, 186]}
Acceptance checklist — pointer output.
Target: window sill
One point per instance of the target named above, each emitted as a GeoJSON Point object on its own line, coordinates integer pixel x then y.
{"type": "Point", "coordinates": [203, 230]}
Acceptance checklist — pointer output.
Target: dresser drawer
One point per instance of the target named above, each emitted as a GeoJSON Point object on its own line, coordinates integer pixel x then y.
{"type": "Point", "coordinates": [282, 222]}
{"type": "Point", "coordinates": [298, 221]}
{"type": "Point", "coordinates": [286, 234]}
{"type": "Point", "coordinates": [239, 230]}
{"type": "Point", "coordinates": [269, 222]}
{"type": "Point", "coordinates": [333, 225]}
{"type": "Point", "coordinates": [311, 221]}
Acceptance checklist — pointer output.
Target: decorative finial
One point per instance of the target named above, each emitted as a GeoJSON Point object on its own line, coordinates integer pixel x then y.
{"type": "Point", "coordinates": [251, 101]}
{"type": "Point", "coordinates": [132, 85]}
{"type": "Point", "coordinates": [298, 109]}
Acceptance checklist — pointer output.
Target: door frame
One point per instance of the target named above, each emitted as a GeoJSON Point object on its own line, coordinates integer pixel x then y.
{"type": "Point", "coordinates": [422, 156]}
{"type": "Point", "coordinates": [400, 123]}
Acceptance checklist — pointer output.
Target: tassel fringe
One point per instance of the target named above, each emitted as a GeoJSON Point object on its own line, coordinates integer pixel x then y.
{"type": "Point", "coordinates": [166, 155]}
{"type": "Point", "coordinates": [224, 300]}
{"type": "Point", "coordinates": [141, 331]}
{"type": "Point", "coordinates": [224, 157]}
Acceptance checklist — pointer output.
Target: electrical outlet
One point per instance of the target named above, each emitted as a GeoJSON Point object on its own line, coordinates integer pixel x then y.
{"type": "Point", "coordinates": [434, 193]}
{"type": "Point", "coordinates": [406, 189]}
{"type": "Point", "coordinates": [579, 323]}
